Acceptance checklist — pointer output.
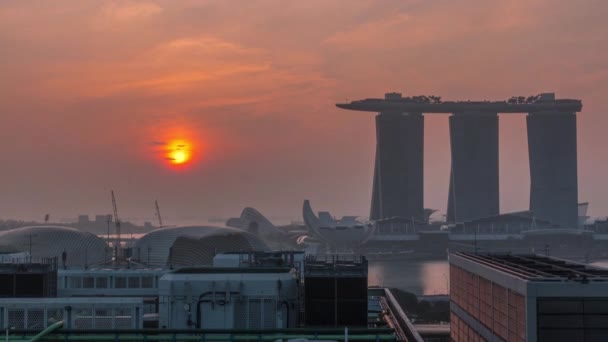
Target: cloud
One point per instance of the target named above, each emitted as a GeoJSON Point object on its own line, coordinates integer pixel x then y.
{"type": "Point", "coordinates": [436, 22]}
{"type": "Point", "coordinates": [128, 10]}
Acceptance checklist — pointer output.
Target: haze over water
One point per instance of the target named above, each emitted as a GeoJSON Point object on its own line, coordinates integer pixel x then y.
{"type": "Point", "coordinates": [419, 277]}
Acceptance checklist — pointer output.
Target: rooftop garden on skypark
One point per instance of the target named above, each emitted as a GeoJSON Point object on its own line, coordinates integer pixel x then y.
{"type": "Point", "coordinates": [432, 99]}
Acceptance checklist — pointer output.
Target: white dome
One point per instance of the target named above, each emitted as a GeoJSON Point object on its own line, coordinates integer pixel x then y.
{"type": "Point", "coordinates": [154, 247]}
{"type": "Point", "coordinates": [82, 248]}
{"type": "Point", "coordinates": [188, 251]}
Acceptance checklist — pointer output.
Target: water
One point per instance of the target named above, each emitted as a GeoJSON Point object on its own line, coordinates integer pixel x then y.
{"type": "Point", "coordinates": [600, 263]}
{"type": "Point", "coordinates": [418, 277]}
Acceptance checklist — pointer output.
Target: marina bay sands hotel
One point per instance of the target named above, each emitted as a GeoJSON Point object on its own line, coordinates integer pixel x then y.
{"type": "Point", "coordinates": [473, 193]}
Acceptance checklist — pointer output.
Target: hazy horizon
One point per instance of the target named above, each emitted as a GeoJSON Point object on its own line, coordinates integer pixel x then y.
{"type": "Point", "coordinates": [93, 91]}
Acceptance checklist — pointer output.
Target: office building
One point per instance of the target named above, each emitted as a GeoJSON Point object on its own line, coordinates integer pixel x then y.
{"type": "Point", "coordinates": [505, 297]}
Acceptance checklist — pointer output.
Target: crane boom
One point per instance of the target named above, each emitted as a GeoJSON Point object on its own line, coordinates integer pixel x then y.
{"type": "Point", "coordinates": [160, 219]}
{"type": "Point", "coordinates": [117, 224]}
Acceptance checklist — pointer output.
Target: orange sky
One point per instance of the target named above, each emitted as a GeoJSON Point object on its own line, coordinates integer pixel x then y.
{"type": "Point", "coordinates": [89, 87]}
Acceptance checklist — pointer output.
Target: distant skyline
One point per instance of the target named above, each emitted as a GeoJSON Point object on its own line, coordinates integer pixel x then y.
{"type": "Point", "coordinates": [101, 95]}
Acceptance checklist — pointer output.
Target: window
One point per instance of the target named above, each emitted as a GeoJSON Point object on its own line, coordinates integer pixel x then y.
{"type": "Point", "coordinates": [147, 282]}
{"type": "Point", "coordinates": [572, 319]}
{"type": "Point", "coordinates": [101, 282]}
{"type": "Point", "coordinates": [75, 282]}
{"type": "Point", "coordinates": [120, 282]}
{"type": "Point", "coordinates": [133, 282]}
{"type": "Point", "coordinates": [88, 282]}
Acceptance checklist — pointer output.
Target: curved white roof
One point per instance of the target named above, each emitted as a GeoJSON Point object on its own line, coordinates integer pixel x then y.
{"type": "Point", "coordinates": [335, 233]}
{"type": "Point", "coordinates": [254, 222]}
{"type": "Point", "coordinates": [188, 251]}
{"type": "Point", "coordinates": [82, 248]}
{"type": "Point", "coordinates": [154, 247]}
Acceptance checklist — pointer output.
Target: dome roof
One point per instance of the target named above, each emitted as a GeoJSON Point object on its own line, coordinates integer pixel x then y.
{"type": "Point", "coordinates": [51, 241]}
{"type": "Point", "coordinates": [9, 249]}
{"type": "Point", "coordinates": [188, 251]}
{"type": "Point", "coordinates": [154, 247]}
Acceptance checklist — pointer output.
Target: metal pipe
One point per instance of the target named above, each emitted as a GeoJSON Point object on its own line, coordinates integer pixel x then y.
{"type": "Point", "coordinates": [47, 331]}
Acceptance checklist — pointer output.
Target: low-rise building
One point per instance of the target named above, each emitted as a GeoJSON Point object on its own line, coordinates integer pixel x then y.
{"type": "Point", "coordinates": [504, 297]}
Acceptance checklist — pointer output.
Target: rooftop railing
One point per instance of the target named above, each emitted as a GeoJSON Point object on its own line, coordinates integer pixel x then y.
{"type": "Point", "coordinates": [346, 334]}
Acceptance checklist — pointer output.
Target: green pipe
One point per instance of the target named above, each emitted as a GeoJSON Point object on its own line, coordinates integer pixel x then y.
{"type": "Point", "coordinates": [47, 331]}
{"type": "Point", "coordinates": [169, 337]}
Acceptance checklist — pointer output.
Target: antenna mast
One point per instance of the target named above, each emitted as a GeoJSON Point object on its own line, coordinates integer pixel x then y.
{"type": "Point", "coordinates": [117, 223]}
{"type": "Point", "coordinates": [160, 219]}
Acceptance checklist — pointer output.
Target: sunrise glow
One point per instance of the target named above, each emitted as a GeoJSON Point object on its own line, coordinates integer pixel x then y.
{"type": "Point", "coordinates": [179, 152]}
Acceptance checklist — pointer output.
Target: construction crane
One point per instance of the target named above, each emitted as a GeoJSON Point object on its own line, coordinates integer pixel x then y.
{"type": "Point", "coordinates": [117, 224]}
{"type": "Point", "coordinates": [160, 219]}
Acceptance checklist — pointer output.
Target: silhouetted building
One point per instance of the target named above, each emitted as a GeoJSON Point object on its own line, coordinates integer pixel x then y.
{"type": "Point", "coordinates": [102, 219]}
{"type": "Point", "coordinates": [553, 167]}
{"type": "Point", "coordinates": [473, 189]}
{"type": "Point", "coordinates": [398, 173]}
{"type": "Point", "coordinates": [83, 219]}
{"type": "Point", "coordinates": [347, 232]}
{"type": "Point", "coordinates": [582, 214]}
{"type": "Point", "coordinates": [504, 297]}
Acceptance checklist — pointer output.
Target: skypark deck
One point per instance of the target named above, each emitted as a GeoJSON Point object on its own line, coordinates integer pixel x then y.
{"type": "Point", "coordinates": [432, 104]}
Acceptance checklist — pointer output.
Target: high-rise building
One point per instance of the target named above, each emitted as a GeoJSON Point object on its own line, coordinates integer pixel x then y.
{"type": "Point", "coordinates": [505, 297]}
{"type": "Point", "coordinates": [553, 167]}
{"type": "Point", "coordinates": [398, 172]}
{"type": "Point", "coordinates": [473, 192]}
{"type": "Point", "coordinates": [474, 183]}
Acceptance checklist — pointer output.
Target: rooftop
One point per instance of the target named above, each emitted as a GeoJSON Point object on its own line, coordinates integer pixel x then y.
{"type": "Point", "coordinates": [394, 102]}
{"type": "Point", "coordinates": [236, 270]}
{"type": "Point", "coordinates": [533, 267]}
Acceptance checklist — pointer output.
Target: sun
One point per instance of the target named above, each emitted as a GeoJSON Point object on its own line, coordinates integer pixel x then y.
{"type": "Point", "coordinates": [179, 152]}
{"type": "Point", "coordinates": [179, 157]}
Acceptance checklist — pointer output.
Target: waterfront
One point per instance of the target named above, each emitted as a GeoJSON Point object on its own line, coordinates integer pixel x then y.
{"type": "Point", "coordinates": [419, 277]}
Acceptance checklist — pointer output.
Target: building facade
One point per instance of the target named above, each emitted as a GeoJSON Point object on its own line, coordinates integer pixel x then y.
{"type": "Point", "coordinates": [526, 298]}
